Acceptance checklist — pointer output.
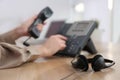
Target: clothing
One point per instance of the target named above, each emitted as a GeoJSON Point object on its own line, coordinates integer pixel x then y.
{"type": "Point", "coordinates": [12, 55]}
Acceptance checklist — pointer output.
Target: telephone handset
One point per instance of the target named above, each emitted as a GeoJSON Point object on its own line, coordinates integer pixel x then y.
{"type": "Point", "coordinates": [78, 35]}
{"type": "Point", "coordinates": [42, 16]}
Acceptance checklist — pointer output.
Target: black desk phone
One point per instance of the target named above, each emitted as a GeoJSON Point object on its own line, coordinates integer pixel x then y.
{"type": "Point", "coordinates": [42, 16]}
{"type": "Point", "coordinates": [78, 35]}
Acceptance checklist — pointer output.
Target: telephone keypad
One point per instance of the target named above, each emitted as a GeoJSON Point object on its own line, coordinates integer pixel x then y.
{"type": "Point", "coordinates": [72, 45]}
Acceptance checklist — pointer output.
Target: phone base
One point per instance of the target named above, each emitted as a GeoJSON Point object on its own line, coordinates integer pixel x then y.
{"type": "Point", "coordinates": [90, 47]}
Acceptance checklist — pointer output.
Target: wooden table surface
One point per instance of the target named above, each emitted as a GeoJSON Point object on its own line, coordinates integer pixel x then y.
{"type": "Point", "coordinates": [59, 68]}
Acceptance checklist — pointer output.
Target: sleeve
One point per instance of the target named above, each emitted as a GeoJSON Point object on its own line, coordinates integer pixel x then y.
{"type": "Point", "coordinates": [12, 56]}
{"type": "Point", "coordinates": [9, 37]}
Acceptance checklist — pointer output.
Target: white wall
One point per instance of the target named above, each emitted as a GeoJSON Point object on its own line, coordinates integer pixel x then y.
{"type": "Point", "coordinates": [98, 9]}
{"type": "Point", "coordinates": [14, 12]}
{"type": "Point", "coordinates": [116, 22]}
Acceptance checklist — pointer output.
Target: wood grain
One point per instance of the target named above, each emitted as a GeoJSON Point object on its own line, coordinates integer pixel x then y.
{"type": "Point", "coordinates": [59, 68]}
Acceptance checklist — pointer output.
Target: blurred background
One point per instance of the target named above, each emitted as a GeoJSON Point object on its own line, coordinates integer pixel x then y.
{"type": "Point", "coordinates": [107, 12]}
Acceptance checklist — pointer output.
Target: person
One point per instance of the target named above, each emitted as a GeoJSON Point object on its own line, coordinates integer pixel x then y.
{"type": "Point", "coordinates": [12, 56]}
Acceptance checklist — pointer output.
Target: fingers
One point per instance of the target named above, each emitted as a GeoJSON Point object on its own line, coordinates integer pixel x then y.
{"type": "Point", "coordinates": [62, 41]}
{"type": "Point", "coordinates": [44, 23]}
{"type": "Point", "coordinates": [32, 18]}
{"type": "Point", "coordinates": [62, 37]}
{"type": "Point", "coordinates": [39, 27]}
{"type": "Point", "coordinates": [62, 46]}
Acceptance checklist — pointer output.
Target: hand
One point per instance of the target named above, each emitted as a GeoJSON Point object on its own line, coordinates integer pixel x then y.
{"type": "Point", "coordinates": [53, 45]}
{"type": "Point", "coordinates": [24, 27]}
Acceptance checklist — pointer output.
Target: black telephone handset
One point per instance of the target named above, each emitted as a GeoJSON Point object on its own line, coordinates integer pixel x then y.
{"type": "Point", "coordinates": [78, 35]}
{"type": "Point", "coordinates": [42, 16]}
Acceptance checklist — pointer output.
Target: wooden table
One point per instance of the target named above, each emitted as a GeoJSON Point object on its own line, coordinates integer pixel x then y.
{"type": "Point", "coordinates": [58, 68]}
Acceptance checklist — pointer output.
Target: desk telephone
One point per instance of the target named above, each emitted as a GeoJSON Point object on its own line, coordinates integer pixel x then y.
{"type": "Point", "coordinates": [78, 35]}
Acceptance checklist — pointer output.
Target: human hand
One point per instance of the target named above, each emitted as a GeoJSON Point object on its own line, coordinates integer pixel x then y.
{"type": "Point", "coordinates": [23, 29]}
{"type": "Point", "coordinates": [53, 45]}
